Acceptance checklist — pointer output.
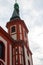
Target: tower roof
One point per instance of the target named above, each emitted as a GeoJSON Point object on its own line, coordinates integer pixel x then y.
{"type": "Point", "coordinates": [15, 12]}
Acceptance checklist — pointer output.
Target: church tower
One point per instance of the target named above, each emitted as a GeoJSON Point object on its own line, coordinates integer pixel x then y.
{"type": "Point", "coordinates": [21, 54]}
{"type": "Point", "coordinates": [17, 51]}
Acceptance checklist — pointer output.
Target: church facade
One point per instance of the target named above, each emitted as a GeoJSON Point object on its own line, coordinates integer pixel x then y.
{"type": "Point", "coordinates": [14, 45]}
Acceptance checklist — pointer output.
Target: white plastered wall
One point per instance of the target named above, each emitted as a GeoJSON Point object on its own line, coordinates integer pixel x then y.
{"type": "Point", "coordinates": [14, 36]}
{"type": "Point", "coordinates": [5, 43]}
{"type": "Point", "coordinates": [27, 57]}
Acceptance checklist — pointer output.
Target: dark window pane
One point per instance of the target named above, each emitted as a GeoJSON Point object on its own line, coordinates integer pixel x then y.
{"type": "Point", "coordinates": [28, 62]}
{"type": "Point", "coordinates": [13, 29]}
{"type": "Point", "coordinates": [2, 51]}
{"type": "Point", "coordinates": [1, 63]}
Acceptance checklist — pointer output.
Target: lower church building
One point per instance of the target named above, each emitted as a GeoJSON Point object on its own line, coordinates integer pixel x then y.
{"type": "Point", "coordinates": [14, 46]}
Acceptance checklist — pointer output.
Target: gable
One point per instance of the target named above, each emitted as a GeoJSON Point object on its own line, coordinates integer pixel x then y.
{"type": "Point", "coordinates": [4, 36]}
{"type": "Point", "coordinates": [3, 40]}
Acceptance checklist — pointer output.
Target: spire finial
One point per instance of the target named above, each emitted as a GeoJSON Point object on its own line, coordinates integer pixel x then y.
{"type": "Point", "coordinates": [16, 11]}
{"type": "Point", "coordinates": [15, 1]}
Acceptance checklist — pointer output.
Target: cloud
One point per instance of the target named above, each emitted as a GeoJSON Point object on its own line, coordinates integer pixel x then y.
{"type": "Point", "coordinates": [6, 10]}
{"type": "Point", "coordinates": [36, 44]}
{"type": "Point", "coordinates": [33, 13]}
{"type": "Point", "coordinates": [37, 55]}
{"type": "Point", "coordinates": [38, 4]}
{"type": "Point", "coordinates": [4, 3]}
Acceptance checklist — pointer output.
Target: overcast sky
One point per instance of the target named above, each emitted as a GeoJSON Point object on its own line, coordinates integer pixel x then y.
{"type": "Point", "coordinates": [31, 11]}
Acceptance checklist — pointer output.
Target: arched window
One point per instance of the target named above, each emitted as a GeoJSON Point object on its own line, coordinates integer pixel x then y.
{"type": "Point", "coordinates": [2, 51]}
{"type": "Point", "coordinates": [13, 29]}
{"type": "Point", "coordinates": [1, 63]}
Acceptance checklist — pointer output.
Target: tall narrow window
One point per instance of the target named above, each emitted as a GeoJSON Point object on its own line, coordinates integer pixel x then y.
{"type": "Point", "coordinates": [21, 59]}
{"type": "Point", "coordinates": [25, 34]}
{"type": "Point", "coordinates": [16, 59]}
{"type": "Point", "coordinates": [28, 62]}
{"type": "Point", "coordinates": [2, 51]}
{"type": "Point", "coordinates": [20, 50]}
{"type": "Point", "coordinates": [16, 50]}
{"type": "Point", "coordinates": [27, 53]}
{"type": "Point", "coordinates": [16, 55]}
{"type": "Point", "coordinates": [13, 29]}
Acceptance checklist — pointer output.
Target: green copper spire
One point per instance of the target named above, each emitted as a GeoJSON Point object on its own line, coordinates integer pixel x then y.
{"type": "Point", "coordinates": [16, 11]}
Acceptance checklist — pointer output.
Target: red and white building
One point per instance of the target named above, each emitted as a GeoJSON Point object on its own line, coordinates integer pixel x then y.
{"type": "Point", "coordinates": [14, 46]}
